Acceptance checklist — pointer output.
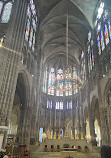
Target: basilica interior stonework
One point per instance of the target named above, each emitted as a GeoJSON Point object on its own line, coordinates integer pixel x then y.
{"type": "Point", "coordinates": [55, 78]}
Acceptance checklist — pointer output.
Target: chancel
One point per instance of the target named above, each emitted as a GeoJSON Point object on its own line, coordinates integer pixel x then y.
{"type": "Point", "coordinates": [55, 78]}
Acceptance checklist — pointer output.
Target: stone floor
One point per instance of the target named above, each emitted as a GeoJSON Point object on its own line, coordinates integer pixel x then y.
{"type": "Point", "coordinates": [64, 155]}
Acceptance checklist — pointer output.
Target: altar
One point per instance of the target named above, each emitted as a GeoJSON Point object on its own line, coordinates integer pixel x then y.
{"type": "Point", "coordinates": [64, 144]}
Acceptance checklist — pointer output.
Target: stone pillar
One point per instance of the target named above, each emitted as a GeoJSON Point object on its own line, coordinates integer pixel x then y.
{"type": "Point", "coordinates": [92, 131]}
{"type": "Point", "coordinates": [73, 130]}
{"type": "Point", "coordinates": [104, 126]}
{"type": "Point", "coordinates": [63, 117]}
{"type": "Point", "coordinates": [84, 130]}
{"type": "Point", "coordinates": [109, 123]}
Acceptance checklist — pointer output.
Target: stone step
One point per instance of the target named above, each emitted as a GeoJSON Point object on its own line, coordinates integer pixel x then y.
{"type": "Point", "coordinates": [58, 155]}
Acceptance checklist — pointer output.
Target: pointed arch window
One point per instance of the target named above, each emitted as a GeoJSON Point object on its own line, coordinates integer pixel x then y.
{"type": "Point", "coordinates": [75, 87]}
{"type": "Point", "coordinates": [61, 105]}
{"type": "Point", "coordinates": [90, 52]}
{"type": "Point", "coordinates": [51, 82]}
{"type": "Point", "coordinates": [57, 105]}
{"type": "Point", "coordinates": [59, 89]}
{"type": "Point", "coordinates": [83, 67]}
{"type": "Point", "coordinates": [45, 81]}
{"type": "Point", "coordinates": [6, 12]}
{"type": "Point", "coordinates": [68, 84]}
{"type": "Point", "coordinates": [31, 25]}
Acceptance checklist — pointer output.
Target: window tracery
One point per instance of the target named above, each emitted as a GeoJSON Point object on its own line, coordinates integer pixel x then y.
{"type": "Point", "coordinates": [31, 25]}
{"type": "Point", "coordinates": [103, 28]}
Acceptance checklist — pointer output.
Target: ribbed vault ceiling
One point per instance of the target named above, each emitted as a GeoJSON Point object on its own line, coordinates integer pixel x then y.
{"type": "Point", "coordinates": [52, 26]}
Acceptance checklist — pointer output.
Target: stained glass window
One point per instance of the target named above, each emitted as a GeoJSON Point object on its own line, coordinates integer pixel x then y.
{"type": "Point", "coordinates": [90, 52]}
{"type": "Point", "coordinates": [61, 105]}
{"type": "Point", "coordinates": [75, 86]}
{"type": "Point", "coordinates": [51, 82]}
{"type": "Point", "coordinates": [31, 36]}
{"type": "Point", "coordinates": [33, 44]}
{"type": "Point", "coordinates": [83, 67]}
{"type": "Point", "coordinates": [103, 28]}
{"type": "Point", "coordinates": [102, 41]}
{"type": "Point", "coordinates": [29, 12]}
{"type": "Point", "coordinates": [6, 12]}
{"type": "Point", "coordinates": [105, 16]}
{"type": "Point", "coordinates": [59, 89]}
{"type": "Point", "coordinates": [106, 34]}
{"type": "Point", "coordinates": [70, 88]}
{"type": "Point", "coordinates": [45, 81]}
{"type": "Point", "coordinates": [31, 25]}
{"type": "Point", "coordinates": [27, 30]}
{"type": "Point", "coordinates": [99, 46]}
{"type": "Point", "coordinates": [58, 83]}
{"type": "Point", "coordinates": [100, 10]}
{"type": "Point", "coordinates": [68, 84]}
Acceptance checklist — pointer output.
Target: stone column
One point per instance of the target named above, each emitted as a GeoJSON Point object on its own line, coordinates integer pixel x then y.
{"type": "Point", "coordinates": [109, 123]}
{"type": "Point", "coordinates": [92, 131]}
{"type": "Point", "coordinates": [63, 117]}
{"type": "Point", "coordinates": [73, 130]}
{"type": "Point", "coordinates": [104, 126]}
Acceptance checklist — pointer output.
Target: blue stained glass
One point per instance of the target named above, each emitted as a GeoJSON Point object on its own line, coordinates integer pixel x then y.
{"type": "Point", "coordinates": [51, 82]}
{"type": "Point", "coordinates": [102, 41]}
{"type": "Point", "coordinates": [99, 45]}
{"type": "Point", "coordinates": [31, 36]}
{"type": "Point", "coordinates": [106, 34]}
{"type": "Point", "coordinates": [105, 16]}
{"type": "Point", "coordinates": [34, 24]}
{"type": "Point", "coordinates": [40, 134]}
{"type": "Point", "coordinates": [27, 30]}
{"type": "Point", "coordinates": [28, 12]}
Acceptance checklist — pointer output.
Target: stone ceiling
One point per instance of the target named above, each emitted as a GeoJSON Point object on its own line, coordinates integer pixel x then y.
{"type": "Point", "coordinates": [52, 26]}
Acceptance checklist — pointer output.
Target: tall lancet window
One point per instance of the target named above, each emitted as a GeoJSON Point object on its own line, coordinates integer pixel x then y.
{"type": "Point", "coordinates": [90, 52]}
{"type": "Point", "coordinates": [45, 81]}
{"type": "Point", "coordinates": [59, 88]}
{"type": "Point", "coordinates": [75, 84]}
{"type": "Point", "coordinates": [68, 84]}
{"type": "Point", "coordinates": [31, 25]}
{"type": "Point", "coordinates": [5, 10]}
{"type": "Point", "coordinates": [103, 28]}
{"type": "Point", "coordinates": [51, 81]}
{"type": "Point", "coordinates": [83, 67]}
